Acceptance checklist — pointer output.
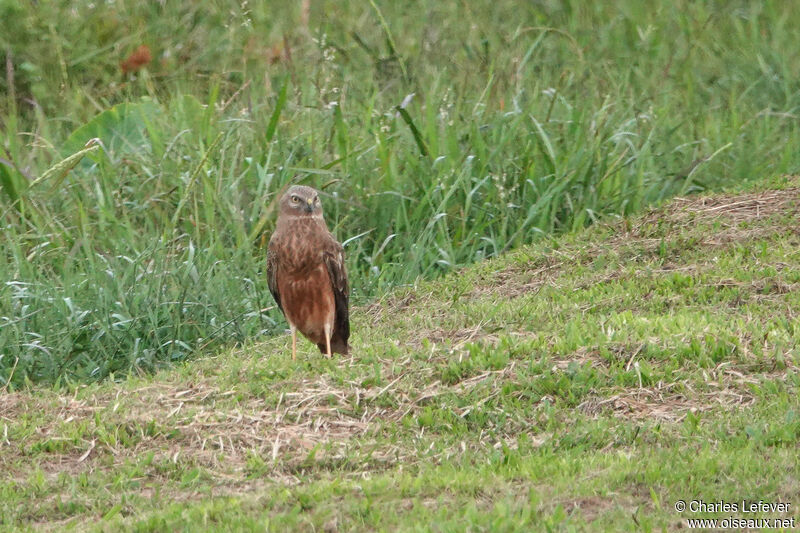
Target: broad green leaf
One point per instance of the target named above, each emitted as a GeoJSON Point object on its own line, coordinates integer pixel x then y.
{"type": "Point", "coordinates": [120, 129]}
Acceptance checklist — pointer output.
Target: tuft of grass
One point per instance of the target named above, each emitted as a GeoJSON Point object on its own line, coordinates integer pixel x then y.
{"type": "Point", "coordinates": [440, 133]}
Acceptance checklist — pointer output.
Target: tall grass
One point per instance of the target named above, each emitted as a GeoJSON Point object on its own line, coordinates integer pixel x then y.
{"type": "Point", "coordinates": [441, 133]}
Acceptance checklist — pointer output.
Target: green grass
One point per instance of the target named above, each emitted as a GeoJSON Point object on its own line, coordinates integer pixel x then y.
{"type": "Point", "coordinates": [583, 383]}
{"type": "Point", "coordinates": [526, 120]}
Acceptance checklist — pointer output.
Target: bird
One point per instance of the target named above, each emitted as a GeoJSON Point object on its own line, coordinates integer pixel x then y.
{"type": "Point", "coordinates": [306, 273]}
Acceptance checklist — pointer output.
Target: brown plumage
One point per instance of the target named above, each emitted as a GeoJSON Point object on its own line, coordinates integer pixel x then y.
{"type": "Point", "coordinates": [306, 273]}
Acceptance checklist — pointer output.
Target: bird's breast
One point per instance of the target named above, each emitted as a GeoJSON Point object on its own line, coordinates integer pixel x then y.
{"type": "Point", "coordinates": [307, 298]}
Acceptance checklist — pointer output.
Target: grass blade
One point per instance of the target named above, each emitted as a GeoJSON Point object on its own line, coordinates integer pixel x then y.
{"type": "Point", "coordinates": [276, 113]}
{"type": "Point", "coordinates": [423, 149]}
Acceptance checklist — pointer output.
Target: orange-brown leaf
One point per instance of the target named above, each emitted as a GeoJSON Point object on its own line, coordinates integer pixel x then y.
{"type": "Point", "coordinates": [139, 58]}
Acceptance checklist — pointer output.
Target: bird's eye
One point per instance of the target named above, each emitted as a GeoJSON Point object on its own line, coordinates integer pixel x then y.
{"type": "Point", "coordinates": [316, 200]}
{"type": "Point", "coordinates": [295, 199]}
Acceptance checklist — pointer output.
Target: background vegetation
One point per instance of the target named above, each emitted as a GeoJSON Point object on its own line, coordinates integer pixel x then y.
{"type": "Point", "coordinates": [441, 132]}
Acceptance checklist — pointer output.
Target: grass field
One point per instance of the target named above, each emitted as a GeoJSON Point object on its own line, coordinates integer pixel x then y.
{"type": "Point", "coordinates": [585, 383]}
{"type": "Point", "coordinates": [526, 119]}
{"type": "Point", "coordinates": [571, 232]}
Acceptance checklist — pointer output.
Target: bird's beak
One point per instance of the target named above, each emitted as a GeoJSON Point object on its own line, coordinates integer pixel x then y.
{"type": "Point", "coordinates": [310, 205]}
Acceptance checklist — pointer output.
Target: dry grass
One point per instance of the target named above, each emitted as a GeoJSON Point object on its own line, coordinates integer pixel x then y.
{"type": "Point", "coordinates": [735, 209]}
{"type": "Point", "coordinates": [739, 218]}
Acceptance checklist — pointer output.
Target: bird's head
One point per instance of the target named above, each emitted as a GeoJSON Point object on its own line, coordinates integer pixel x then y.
{"type": "Point", "coordinates": [300, 200]}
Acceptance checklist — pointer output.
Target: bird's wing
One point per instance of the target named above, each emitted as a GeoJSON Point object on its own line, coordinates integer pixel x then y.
{"type": "Point", "coordinates": [272, 274]}
{"type": "Point", "coordinates": [334, 261]}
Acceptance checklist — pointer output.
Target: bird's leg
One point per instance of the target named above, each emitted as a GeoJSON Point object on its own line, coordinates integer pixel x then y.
{"type": "Point", "coordinates": [294, 341]}
{"type": "Point", "coordinates": [328, 340]}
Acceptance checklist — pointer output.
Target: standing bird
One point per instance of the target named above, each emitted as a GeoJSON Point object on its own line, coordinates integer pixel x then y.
{"type": "Point", "coordinates": [306, 273]}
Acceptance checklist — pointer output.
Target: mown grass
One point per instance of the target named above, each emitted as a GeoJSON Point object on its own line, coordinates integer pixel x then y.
{"type": "Point", "coordinates": [584, 383]}
{"type": "Point", "coordinates": [525, 120]}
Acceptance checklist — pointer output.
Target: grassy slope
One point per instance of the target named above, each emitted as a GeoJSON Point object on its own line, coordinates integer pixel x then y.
{"type": "Point", "coordinates": [591, 381]}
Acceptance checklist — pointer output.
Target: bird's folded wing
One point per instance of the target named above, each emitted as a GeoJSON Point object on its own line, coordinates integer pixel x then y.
{"type": "Point", "coordinates": [334, 261]}
{"type": "Point", "coordinates": [272, 278]}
